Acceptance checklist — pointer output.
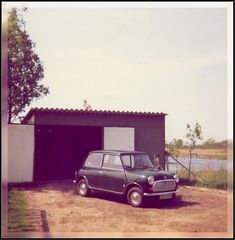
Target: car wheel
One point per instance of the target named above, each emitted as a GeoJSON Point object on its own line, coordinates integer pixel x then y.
{"type": "Point", "coordinates": [135, 197]}
{"type": "Point", "coordinates": [82, 188]}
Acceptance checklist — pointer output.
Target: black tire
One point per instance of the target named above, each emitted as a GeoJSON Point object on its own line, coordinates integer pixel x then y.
{"type": "Point", "coordinates": [135, 197]}
{"type": "Point", "coordinates": [83, 188]}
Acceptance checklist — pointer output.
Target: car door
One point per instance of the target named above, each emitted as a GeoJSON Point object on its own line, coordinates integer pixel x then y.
{"type": "Point", "coordinates": [91, 169]}
{"type": "Point", "coordinates": [112, 175]}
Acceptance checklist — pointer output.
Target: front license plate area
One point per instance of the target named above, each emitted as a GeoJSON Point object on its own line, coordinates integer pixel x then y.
{"type": "Point", "coordinates": [166, 196]}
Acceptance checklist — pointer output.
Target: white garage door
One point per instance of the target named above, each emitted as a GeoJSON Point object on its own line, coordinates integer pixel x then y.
{"type": "Point", "coordinates": [117, 138]}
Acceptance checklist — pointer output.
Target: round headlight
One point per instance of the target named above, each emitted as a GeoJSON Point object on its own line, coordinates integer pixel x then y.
{"type": "Point", "coordinates": [151, 180]}
{"type": "Point", "coordinates": [177, 179]}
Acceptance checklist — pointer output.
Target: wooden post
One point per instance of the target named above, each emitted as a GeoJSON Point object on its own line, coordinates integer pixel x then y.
{"type": "Point", "coordinates": [186, 168]}
{"type": "Point", "coordinates": [190, 159]}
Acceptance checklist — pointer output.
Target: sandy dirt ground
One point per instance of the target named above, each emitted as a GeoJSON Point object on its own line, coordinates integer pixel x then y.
{"type": "Point", "coordinates": [60, 209]}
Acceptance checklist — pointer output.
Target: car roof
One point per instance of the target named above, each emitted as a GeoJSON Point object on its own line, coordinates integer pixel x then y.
{"type": "Point", "coordinates": [117, 152]}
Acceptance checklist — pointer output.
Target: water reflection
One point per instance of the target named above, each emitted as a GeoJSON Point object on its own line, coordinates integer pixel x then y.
{"type": "Point", "coordinates": [199, 164]}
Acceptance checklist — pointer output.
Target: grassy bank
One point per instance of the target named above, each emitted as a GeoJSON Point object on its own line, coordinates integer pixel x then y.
{"type": "Point", "coordinates": [16, 207]}
{"type": "Point", "coordinates": [211, 178]}
{"type": "Point", "coordinates": [214, 153]}
{"type": "Point", "coordinates": [19, 219]}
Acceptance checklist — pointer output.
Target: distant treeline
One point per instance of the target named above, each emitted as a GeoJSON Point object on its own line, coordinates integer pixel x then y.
{"type": "Point", "coordinates": [208, 144]}
{"type": "Point", "coordinates": [211, 143]}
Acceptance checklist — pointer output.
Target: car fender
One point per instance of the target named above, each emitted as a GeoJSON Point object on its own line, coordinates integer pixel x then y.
{"type": "Point", "coordinates": [133, 184]}
{"type": "Point", "coordinates": [82, 177]}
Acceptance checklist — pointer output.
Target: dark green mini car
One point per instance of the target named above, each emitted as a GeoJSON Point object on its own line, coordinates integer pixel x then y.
{"type": "Point", "coordinates": [128, 173]}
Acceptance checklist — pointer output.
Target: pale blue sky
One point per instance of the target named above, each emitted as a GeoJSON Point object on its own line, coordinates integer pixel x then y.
{"type": "Point", "coordinates": [171, 60]}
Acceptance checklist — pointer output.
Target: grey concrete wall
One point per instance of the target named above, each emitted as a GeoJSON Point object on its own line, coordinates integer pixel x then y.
{"type": "Point", "coordinates": [20, 153]}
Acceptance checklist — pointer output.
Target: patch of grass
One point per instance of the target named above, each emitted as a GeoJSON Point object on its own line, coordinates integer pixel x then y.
{"type": "Point", "coordinates": [16, 208]}
{"type": "Point", "coordinates": [220, 153]}
{"type": "Point", "coordinates": [20, 217]}
{"type": "Point", "coordinates": [211, 178]}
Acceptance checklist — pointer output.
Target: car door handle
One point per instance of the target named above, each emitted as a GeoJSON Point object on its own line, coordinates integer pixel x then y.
{"type": "Point", "coordinates": [100, 172]}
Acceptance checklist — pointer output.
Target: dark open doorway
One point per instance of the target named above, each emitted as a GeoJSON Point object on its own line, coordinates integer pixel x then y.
{"type": "Point", "coordinates": [60, 150]}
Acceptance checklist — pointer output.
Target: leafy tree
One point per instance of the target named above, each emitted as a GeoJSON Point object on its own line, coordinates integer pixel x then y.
{"type": "Point", "coordinates": [209, 142]}
{"type": "Point", "coordinates": [178, 143]}
{"type": "Point", "coordinates": [86, 106]}
{"type": "Point", "coordinates": [175, 145]}
{"type": "Point", "coordinates": [25, 70]}
{"type": "Point", "coordinates": [193, 135]}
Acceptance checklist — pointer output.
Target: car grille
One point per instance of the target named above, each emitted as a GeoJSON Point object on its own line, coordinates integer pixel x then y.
{"type": "Point", "coordinates": [164, 185]}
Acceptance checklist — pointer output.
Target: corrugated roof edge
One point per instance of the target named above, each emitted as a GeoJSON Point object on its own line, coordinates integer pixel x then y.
{"type": "Point", "coordinates": [33, 110]}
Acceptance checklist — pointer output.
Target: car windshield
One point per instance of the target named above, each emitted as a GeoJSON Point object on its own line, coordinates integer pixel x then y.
{"type": "Point", "coordinates": [141, 161]}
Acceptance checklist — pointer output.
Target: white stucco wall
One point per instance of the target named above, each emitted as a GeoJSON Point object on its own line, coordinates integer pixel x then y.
{"type": "Point", "coordinates": [118, 138]}
{"type": "Point", "coordinates": [20, 153]}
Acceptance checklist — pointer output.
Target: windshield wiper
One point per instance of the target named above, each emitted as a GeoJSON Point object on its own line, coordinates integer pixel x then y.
{"type": "Point", "coordinates": [129, 167]}
{"type": "Point", "coordinates": [141, 166]}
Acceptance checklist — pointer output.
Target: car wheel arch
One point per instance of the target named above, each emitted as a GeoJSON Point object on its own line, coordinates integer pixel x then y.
{"type": "Point", "coordinates": [82, 177]}
{"type": "Point", "coordinates": [131, 185]}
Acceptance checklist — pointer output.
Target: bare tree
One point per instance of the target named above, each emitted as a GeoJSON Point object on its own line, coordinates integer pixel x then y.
{"type": "Point", "coordinates": [193, 135]}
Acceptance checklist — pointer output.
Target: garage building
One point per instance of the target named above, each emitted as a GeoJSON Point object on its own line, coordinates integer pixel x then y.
{"type": "Point", "coordinates": [51, 144]}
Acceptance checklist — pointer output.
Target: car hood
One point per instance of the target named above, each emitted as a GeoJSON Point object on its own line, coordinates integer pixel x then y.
{"type": "Point", "coordinates": [157, 174]}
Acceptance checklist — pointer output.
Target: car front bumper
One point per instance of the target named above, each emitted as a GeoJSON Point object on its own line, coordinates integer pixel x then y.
{"type": "Point", "coordinates": [160, 193]}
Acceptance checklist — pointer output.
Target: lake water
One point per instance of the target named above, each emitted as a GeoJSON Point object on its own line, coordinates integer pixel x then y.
{"type": "Point", "coordinates": [199, 164]}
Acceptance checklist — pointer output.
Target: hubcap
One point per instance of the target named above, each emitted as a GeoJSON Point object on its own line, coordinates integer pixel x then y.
{"type": "Point", "coordinates": [135, 198]}
{"type": "Point", "coordinates": [82, 188]}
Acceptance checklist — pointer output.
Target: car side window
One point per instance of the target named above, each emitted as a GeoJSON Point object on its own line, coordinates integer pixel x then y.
{"type": "Point", "coordinates": [94, 160]}
{"type": "Point", "coordinates": [112, 161]}
{"type": "Point", "coordinates": [128, 160]}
